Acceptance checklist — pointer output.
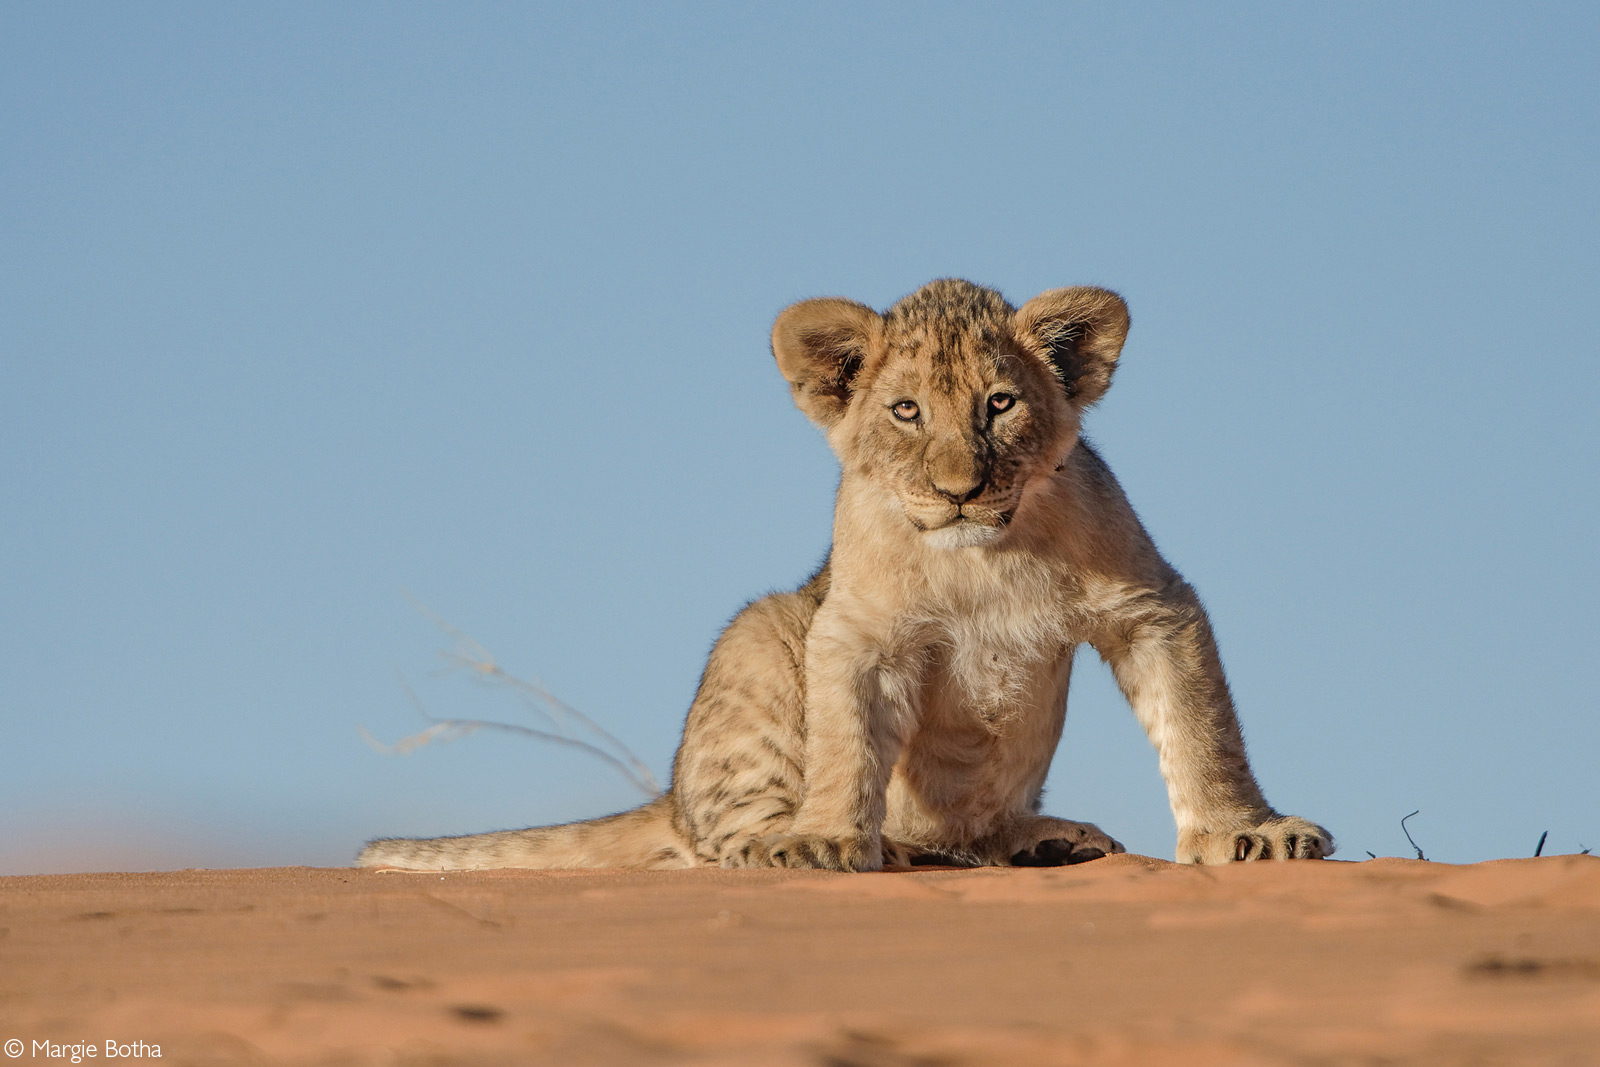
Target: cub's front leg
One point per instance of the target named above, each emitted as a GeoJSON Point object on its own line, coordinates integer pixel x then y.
{"type": "Point", "coordinates": [858, 706]}
{"type": "Point", "coordinates": [1161, 649]}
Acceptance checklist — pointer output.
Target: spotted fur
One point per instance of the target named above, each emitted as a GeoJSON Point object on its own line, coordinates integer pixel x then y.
{"type": "Point", "coordinates": [904, 705]}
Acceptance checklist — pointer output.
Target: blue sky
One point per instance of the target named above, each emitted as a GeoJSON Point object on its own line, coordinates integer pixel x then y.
{"type": "Point", "coordinates": [304, 308]}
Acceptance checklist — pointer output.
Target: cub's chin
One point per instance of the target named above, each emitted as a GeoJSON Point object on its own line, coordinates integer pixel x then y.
{"type": "Point", "coordinates": [963, 533]}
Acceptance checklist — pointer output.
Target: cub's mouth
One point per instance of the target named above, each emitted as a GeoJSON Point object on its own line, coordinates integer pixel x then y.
{"type": "Point", "coordinates": [965, 524]}
{"type": "Point", "coordinates": [927, 521]}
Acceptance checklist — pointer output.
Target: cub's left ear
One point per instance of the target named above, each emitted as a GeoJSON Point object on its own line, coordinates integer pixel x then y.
{"type": "Point", "coordinates": [1079, 331]}
{"type": "Point", "coordinates": [820, 345]}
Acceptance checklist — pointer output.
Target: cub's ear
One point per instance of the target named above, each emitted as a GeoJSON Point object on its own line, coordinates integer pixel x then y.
{"type": "Point", "coordinates": [820, 346]}
{"type": "Point", "coordinates": [1080, 332]}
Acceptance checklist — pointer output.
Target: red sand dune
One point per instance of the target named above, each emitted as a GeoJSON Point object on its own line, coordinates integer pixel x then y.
{"type": "Point", "coordinates": [1123, 961]}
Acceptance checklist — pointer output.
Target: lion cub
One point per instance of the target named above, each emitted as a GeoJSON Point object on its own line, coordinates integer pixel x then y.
{"type": "Point", "coordinates": [904, 704]}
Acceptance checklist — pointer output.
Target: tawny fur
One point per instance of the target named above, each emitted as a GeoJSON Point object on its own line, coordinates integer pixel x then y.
{"type": "Point", "coordinates": [905, 703]}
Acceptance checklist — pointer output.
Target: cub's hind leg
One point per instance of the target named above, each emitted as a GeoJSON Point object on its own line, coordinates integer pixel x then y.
{"type": "Point", "coordinates": [1045, 841]}
{"type": "Point", "coordinates": [739, 775]}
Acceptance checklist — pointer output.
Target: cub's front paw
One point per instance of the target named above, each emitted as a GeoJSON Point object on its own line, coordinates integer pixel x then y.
{"type": "Point", "coordinates": [814, 851]}
{"type": "Point", "coordinates": [1283, 837]}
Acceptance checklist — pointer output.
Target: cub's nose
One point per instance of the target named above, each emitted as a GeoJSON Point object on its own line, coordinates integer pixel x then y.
{"type": "Point", "coordinates": [955, 468]}
{"type": "Point", "coordinates": [958, 490]}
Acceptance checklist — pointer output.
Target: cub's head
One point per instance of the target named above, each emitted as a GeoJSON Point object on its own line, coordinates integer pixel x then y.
{"type": "Point", "coordinates": [952, 401]}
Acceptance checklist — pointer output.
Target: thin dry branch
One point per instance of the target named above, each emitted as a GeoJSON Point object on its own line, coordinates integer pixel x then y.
{"type": "Point", "coordinates": [563, 720]}
{"type": "Point", "coordinates": [1403, 830]}
{"type": "Point", "coordinates": [445, 730]}
{"type": "Point", "coordinates": [471, 655]}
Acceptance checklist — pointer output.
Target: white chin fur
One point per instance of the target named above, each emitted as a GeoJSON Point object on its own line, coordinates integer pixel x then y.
{"type": "Point", "coordinates": [962, 535]}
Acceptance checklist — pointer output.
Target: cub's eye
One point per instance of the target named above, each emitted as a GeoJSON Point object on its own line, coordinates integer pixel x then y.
{"type": "Point", "coordinates": [1001, 402]}
{"type": "Point", "coordinates": [906, 411]}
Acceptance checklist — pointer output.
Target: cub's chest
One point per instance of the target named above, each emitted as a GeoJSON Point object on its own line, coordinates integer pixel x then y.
{"type": "Point", "coordinates": [997, 660]}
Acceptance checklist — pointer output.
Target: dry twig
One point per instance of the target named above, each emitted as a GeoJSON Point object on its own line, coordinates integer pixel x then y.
{"type": "Point", "coordinates": [1403, 830]}
{"type": "Point", "coordinates": [563, 721]}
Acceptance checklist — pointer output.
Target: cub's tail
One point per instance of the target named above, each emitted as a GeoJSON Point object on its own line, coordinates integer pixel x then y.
{"type": "Point", "coordinates": [643, 838]}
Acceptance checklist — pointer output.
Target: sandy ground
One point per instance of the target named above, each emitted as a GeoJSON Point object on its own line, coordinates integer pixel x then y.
{"type": "Point", "coordinates": [1123, 961]}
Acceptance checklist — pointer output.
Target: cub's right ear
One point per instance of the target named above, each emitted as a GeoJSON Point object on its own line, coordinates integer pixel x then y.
{"type": "Point", "coordinates": [820, 346]}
